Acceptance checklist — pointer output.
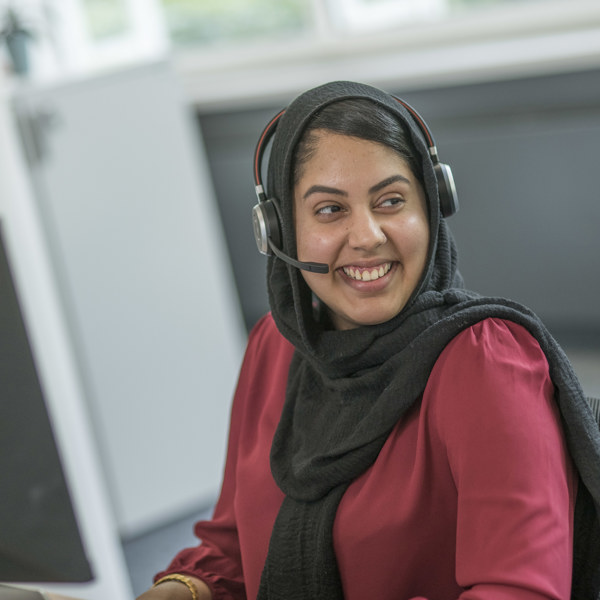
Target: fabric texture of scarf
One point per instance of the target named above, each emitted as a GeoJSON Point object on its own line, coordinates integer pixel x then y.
{"type": "Point", "coordinates": [347, 389]}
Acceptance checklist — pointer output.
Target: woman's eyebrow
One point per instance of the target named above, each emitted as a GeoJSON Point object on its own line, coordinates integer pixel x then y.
{"type": "Point", "coordinates": [323, 189]}
{"type": "Point", "coordinates": [388, 181]}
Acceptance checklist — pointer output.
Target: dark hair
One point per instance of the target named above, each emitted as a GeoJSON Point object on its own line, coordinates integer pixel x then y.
{"type": "Point", "coordinates": [360, 118]}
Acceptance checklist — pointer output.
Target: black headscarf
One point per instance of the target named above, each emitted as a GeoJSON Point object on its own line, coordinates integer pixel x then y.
{"type": "Point", "coordinates": [346, 390]}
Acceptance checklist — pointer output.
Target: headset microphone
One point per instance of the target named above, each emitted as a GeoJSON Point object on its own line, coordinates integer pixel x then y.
{"type": "Point", "coordinates": [313, 267]}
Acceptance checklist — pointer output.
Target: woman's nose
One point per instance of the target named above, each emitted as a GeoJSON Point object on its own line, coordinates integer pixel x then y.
{"type": "Point", "coordinates": [366, 232]}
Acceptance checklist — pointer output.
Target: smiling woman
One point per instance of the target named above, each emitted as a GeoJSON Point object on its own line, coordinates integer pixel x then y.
{"type": "Point", "coordinates": [393, 434]}
{"type": "Point", "coordinates": [360, 207]}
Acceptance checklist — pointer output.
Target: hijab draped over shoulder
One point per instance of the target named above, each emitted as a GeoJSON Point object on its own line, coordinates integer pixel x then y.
{"type": "Point", "coordinates": [347, 389]}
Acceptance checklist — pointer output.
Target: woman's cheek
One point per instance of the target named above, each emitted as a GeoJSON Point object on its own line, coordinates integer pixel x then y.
{"type": "Point", "coordinates": [314, 245]}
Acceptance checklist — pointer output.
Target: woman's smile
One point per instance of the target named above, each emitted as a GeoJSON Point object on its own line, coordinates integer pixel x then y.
{"type": "Point", "coordinates": [369, 273]}
{"type": "Point", "coordinates": [360, 209]}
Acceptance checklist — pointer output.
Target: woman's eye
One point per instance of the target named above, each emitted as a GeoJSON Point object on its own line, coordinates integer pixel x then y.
{"type": "Point", "coordinates": [328, 210]}
{"type": "Point", "coordinates": [391, 201]}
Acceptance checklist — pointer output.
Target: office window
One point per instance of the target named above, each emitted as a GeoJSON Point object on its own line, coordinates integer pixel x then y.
{"type": "Point", "coordinates": [211, 22]}
{"type": "Point", "coordinates": [356, 16]}
{"type": "Point", "coordinates": [362, 16]}
{"type": "Point", "coordinates": [106, 18]}
{"type": "Point", "coordinates": [233, 22]}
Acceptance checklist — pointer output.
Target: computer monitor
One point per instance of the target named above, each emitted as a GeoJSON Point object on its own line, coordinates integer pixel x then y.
{"type": "Point", "coordinates": [39, 536]}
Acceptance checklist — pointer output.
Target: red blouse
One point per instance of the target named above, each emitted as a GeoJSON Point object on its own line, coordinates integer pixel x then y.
{"type": "Point", "coordinates": [471, 497]}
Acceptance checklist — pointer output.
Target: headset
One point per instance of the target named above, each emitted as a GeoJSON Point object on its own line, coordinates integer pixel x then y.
{"type": "Point", "coordinates": [266, 214]}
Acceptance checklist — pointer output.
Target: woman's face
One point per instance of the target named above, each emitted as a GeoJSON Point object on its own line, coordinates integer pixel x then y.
{"type": "Point", "coordinates": [359, 208]}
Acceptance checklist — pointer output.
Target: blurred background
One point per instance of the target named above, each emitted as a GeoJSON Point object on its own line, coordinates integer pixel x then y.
{"type": "Point", "coordinates": [127, 131]}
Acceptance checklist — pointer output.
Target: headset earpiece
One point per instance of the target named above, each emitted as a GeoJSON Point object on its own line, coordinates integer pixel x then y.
{"type": "Point", "coordinates": [446, 189]}
{"type": "Point", "coordinates": [266, 224]}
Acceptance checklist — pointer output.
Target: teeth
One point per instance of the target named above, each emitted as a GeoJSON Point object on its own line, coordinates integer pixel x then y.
{"type": "Point", "coordinates": [368, 274]}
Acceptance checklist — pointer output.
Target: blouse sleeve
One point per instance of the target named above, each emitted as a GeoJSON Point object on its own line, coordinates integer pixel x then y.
{"type": "Point", "coordinates": [506, 451]}
{"type": "Point", "coordinates": [217, 559]}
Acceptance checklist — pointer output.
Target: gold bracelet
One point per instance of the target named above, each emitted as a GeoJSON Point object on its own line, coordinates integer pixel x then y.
{"type": "Point", "coordinates": [181, 579]}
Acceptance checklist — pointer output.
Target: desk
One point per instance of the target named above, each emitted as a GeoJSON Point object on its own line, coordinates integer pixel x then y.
{"type": "Point", "coordinates": [13, 592]}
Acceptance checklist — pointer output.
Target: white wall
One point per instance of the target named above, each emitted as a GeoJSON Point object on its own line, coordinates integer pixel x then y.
{"type": "Point", "coordinates": [54, 354]}
{"type": "Point", "coordinates": [127, 206]}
